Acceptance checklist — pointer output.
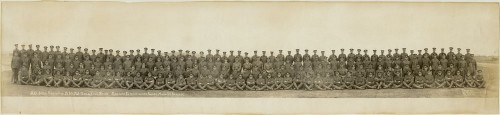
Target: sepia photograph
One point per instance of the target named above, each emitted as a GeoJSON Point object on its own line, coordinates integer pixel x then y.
{"type": "Point", "coordinates": [249, 57]}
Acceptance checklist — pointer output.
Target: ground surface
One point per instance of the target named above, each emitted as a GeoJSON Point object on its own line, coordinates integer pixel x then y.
{"type": "Point", "coordinates": [489, 67]}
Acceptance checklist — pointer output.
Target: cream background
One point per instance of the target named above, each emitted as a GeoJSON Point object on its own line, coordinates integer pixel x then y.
{"type": "Point", "coordinates": [252, 26]}
{"type": "Point", "coordinates": [233, 26]}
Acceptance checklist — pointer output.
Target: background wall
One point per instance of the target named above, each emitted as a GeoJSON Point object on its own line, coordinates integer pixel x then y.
{"type": "Point", "coordinates": [252, 26]}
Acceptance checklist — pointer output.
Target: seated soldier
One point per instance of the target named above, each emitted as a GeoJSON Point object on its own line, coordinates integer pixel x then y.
{"type": "Point", "coordinates": [338, 84]}
{"type": "Point", "coordinates": [58, 79]}
{"type": "Point", "coordinates": [129, 80]}
{"type": "Point", "coordinates": [97, 81]}
{"type": "Point", "coordinates": [270, 83]}
{"type": "Point", "coordinates": [398, 80]}
{"type": "Point", "coordinates": [180, 83]}
{"type": "Point", "coordinates": [220, 82]}
{"type": "Point", "coordinates": [298, 82]}
{"type": "Point", "coordinates": [202, 82]}
{"type": "Point", "coordinates": [87, 79]}
{"type": "Point", "coordinates": [429, 80]}
{"type": "Point", "coordinates": [192, 82]}
{"type": "Point", "coordinates": [308, 82]}
{"type": "Point", "coordinates": [240, 83]}
{"type": "Point", "coordinates": [469, 80]}
{"type": "Point", "coordinates": [149, 81]}
{"type": "Point", "coordinates": [318, 82]}
{"type": "Point", "coordinates": [210, 82]}
{"type": "Point", "coordinates": [371, 83]}
{"type": "Point", "coordinates": [388, 80]}
{"type": "Point", "coordinates": [479, 79]}
{"type": "Point", "coordinates": [250, 83]}
{"type": "Point", "coordinates": [108, 81]}
{"type": "Point", "coordinates": [231, 83]}
{"type": "Point", "coordinates": [138, 81]}
{"type": "Point", "coordinates": [23, 75]}
{"type": "Point", "coordinates": [278, 80]}
{"type": "Point", "coordinates": [67, 79]}
{"type": "Point", "coordinates": [419, 81]}
{"type": "Point", "coordinates": [449, 79]}
{"type": "Point", "coordinates": [118, 80]}
{"type": "Point", "coordinates": [170, 83]}
{"type": "Point", "coordinates": [440, 80]}
{"type": "Point", "coordinates": [287, 82]}
{"type": "Point", "coordinates": [359, 82]}
{"type": "Point", "coordinates": [160, 81]}
{"type": "Point", "coordinates": [379, 78]}
{"type": "Point", "coordinates": [261, 83]}
{"type": "Point", "coordinates": [349, 81]}
{"type": "Point", "coordinates": [327, 81]}
{"type": "Point", "coordinates": [39, 78]}
{"type": "Point", "coordinates": [458, 80]}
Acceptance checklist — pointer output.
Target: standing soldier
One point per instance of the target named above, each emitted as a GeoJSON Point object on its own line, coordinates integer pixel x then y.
{"type": "Point", "coordinates": [263, 58]}
{"type": "Point", "coordinates": [450, 54]}
{"type": "Point", "coordinates": [15, 65]}
{"type": "Point", "coordinates": [434, 52]}
{"type": "Point", "coordinates": [289, 58]}
{"type": "Point", "coordinates": [396, 55]}
{"type": "Point", "coordinates": [280, 57]}
{"type": "Point", "coordinates": [238, 58]}
{"type": "Point", "coordinates": [468, 55]}
{"type": "Point", "coordinates": [374, 57]}
{"type": "Point", "coordinates": [297, 55]}
{"type": "Point", "coordinates": [404, 54]}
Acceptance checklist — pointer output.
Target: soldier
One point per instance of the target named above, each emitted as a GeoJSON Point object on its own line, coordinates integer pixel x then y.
{"type": "Point", "coordinates": [458, 80]}
{"type": "Point", "coordinates": [15, 65]}
{"type": "Point", "coordinates": [450, 54]}
{"type": "Point", "coordinates": [250, 83]}
{"type": "Point", "coordinates": [297, 55]}
{"type": "Point", "coordinates": [23, 77]}
{"type": "Point", "coordinates": [172, 83]}
{"type": "Point", "coordinates": [87, 79]}
{"type": "Point", "coordinates": [210, 83]}
{"type": "Point", "coordinates": [77, 79]}
{"type": "Point", "coordinates": [289, 58]}
{"type": "Point", "coordinates": [280, 57]}
{"type": "Point", "coordinates": [434, 53]}
{"type": "Point", "coordinates": [439, 80]}
{"type": "Point", "coordinates": [469, 80]}
{"type": "Point", "coordinates": [129, 80]}
{"type": "Point", "coordinates": [479, 79]}
{"type": "Point", "coordinates": [429, 80]}
{"type": "Point", "coordinates": [220, 82]}
{"type": "Point", "coordinates": [261, 83]}
{"type": "Point", "coordinates": [374, 57]}
{"type": "Point", "coordinates": [96, 80]}
{"type": "Point", "coordinates": [149, 80]}
{"type": "Point", "coordinates": [66, 80]}
{"type": "Point", "coordinates": [337, 81]}
{"type": "Point", "coordinates": [40, 77]}
{"type": "Point", "coordinates": [48, 78]}
{"type": "Point", "coordinates": [270, 83]}
{"type": "Point", "coordinates": [419, 81]}
{"type": "Point", "coordinates": [231, 83]}
{"type": "Point", "coordinates": [240, 83]}
{"type": "Point", "coordinates": [398, 80]}
{"type": "Point", "coordinates": [349, 80]}
{"type": "Point", "coordinates": [449, 79]}
{"type": "Point", "coordinates": [192, 82]}
{"type": "Point", "coordinates": [180, 83]}
{"type": "Point", "coordinates": [118, 80]}
{"type": "Point", "coordinates": [108, 81]}
{"type": "Point", "coordinates": [360, 82]}
{"type": "Point", "coordinates": [138, 81]}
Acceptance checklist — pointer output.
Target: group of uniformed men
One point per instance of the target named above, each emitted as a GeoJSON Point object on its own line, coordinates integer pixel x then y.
{"type": "Point", "coordinates": [189, 70]}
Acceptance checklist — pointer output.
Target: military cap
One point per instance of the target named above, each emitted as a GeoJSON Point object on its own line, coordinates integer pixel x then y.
{"type": "Point", "coordinates": [239, 51]}
{"type": "Point", "coordinates": [209, 50]}
{"type": "Point", "coordinates": [297, 50]}
{"type": "Point", "coordinates": [65, 48]}
{"type": "Point", "coordinates": [146, 49]}
{"type": "Point", "coordinates": [110, 50]}
{"type": "Point", "coordinates": [404, 48]}
{"type": "Point", "coordinates": [85, 49]}
{"type": "Point", "coordinates": [105, 50]}
{"type": "Point", "coordinates": [289, 51]}
{"type": "Point", "coordinates": [382, 51]}
{"type": "Point", "coordinates": [71, 49]}
{"type": "Point", "coordinates": [263, 52]}
{"type": "Point", "coordinates": [271, 52]}
{"type": "Point", "coordinates": [425, 49]}
{"type": "Point", "coordinates": [322, 52]}
{"type": "Point", "coordinates": [152, 50]}
{"type": "Point", "coordinates": [224, 53]}
{"type": "Point", "coordinates": [15, 45]}
{"type": "Point", "coordinates": [187, 51]}
{"type": "Point", "coordinates": [125, 52]}
{"type": "Point", "coordinates": [411, 51]}
{"type": "Point", "coordinates": [246, 53]}
{"type": "Point", "coordinates": [459, 49]}
{"type": "Point", "coordinates": [201, 52]}
{"type": "Point", "coordinates": [419, 51]}
{"type": "Point", "coordinates": [314, 51]}
{"type": "Point", "coordinates": [37, 46]}
{"type": "Point", "coordinates": [131, 51]}
{"type": "Point", "coordinates": [117, 51]}
{"type": "Point", "coordinates": [159, 51]}
{"type": "Point", "coordinates": [389, 50]}
{"type": "Point", "coordinates": [442, 48]}
{"type": "Point", "coordinates": [374, 50]}
{"type": "Point", "coordinates": [165, 53]}
{"type": "Point", "coordinates": [280, 51]}
{"type": "Point", "coordinates": [93, 50]}
{"type": "Point", "coordinates": [365, 50]}
{"type": "Point", "coordinates": [359, 50]}
{"type": "Point", "coordinates": [29, 45]}
{"type": "Point", "coordinates": [351, 49]}
{"type": "Point", "coordinates": [57, 47]}
{"type": "Point", "coordinates": [217, 50]}
{"type": "Point", "coordinates": [342, 49]}
{"type": "Point", "coordinates": [100, 48]}
{"type": "Point", "coordinates": [138, 50]}
{"type": "Point", "coordinates": [194, 52]}
{"type": "Point", "coordinates": [79, 47]}
{"type": "Point", "coordinates": [231, 51]}
{"type": "Point", "coordinates": [255, 52]}
{"type": "Point", "coordinates": [396, 49]}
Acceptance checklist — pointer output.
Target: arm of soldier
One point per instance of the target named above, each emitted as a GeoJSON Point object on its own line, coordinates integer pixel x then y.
{"type": "Point", "coordinates": [270, 86]}
{"type": "Point", "coordinates": [221, 86]}
{"type": "Point", "coordinates": [318, 86]}
{"type": "Point", "coordinates": [289, 86]}
{"type": "Point", "coordinates": [212, 87]}
{"type": "Point", "coordinates": [241, 86]}
{"type": "Point", "coordinates": [328, 85]}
